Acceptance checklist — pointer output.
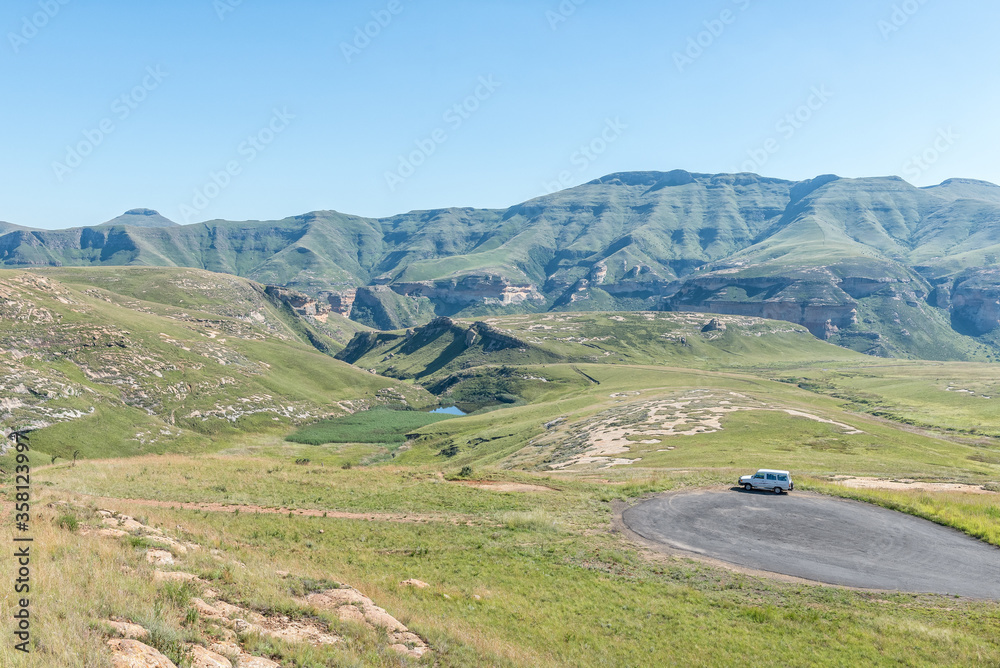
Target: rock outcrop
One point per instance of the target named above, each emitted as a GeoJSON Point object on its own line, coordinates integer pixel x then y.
{"type": "Point", "coordinates": [819, 306]}
{"type": "Point", "coordinates": [379, 306]}
{"type": "Point", "coordinates": [975, 301]}
{"type": "Point", "coordinates": [134, 654]}
{"type": "Point", "coordinates": [350, 605]}
{"type": "Point", "coordinates": [299, 302]}
{"type": "Point", "coordinates": [341, 302]}
{"type": "Point", "coordinates": [713, 325]}
{"type": "Point", "coordinates": [487, 289]}
{"type": "Point", "coordinates": [478, 334]}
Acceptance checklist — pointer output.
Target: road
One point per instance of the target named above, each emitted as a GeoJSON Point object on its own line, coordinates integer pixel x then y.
{"type": "Point", "coordinates": [821, 538]}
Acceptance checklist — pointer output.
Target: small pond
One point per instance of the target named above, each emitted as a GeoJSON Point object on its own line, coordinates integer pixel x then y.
{"type": "Point", "coordinates": [451, 410]}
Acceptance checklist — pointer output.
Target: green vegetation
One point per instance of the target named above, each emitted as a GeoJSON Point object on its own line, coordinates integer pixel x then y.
{"type": "Point", "coordinates": [374, 426]}
{"type": "Point", "coordinates": [506, 514]}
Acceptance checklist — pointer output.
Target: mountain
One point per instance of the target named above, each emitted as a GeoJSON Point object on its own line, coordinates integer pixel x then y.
{"type": "Point", "coordinates": [141, 218]}
{"type": "Point", "coordinates": [9, 227]}
{"type": "Point", "coordinates": [874, 264]}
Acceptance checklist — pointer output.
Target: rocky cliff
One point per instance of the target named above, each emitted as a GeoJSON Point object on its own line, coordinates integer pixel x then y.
{"type": "Point", "coordinates": [975, 301]}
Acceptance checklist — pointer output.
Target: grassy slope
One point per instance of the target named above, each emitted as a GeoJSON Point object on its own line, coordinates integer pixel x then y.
{"type": "Point", "coordinates": [375, 426]}
{"type": "Point", "coordinates": [117, 376]}
{"type": "Point", "coordinates": [206, 292]}
{"type": "Point", "coordinates": [921, 394]}
{"type": "Point", "coordinates": [747, 437]}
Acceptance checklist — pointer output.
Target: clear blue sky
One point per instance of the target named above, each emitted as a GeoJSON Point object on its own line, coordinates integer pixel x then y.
{"type": "Point", "coordinates": [886, 97]}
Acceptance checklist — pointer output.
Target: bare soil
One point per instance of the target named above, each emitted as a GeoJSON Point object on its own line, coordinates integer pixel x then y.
{"type": "Point", "coordinates": [907, 484]}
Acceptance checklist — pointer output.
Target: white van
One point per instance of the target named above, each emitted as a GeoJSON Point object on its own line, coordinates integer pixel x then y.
{"type": "Point", "coordinates": [776, 481]}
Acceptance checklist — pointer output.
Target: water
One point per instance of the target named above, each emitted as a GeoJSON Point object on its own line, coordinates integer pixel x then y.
{"type": "Point", "coordinates": [452, 410]}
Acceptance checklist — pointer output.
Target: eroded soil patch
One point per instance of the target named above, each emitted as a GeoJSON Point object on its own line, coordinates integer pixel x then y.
{"type": "Point", "coordinates": [909, 485]}
{"type": "Point", "coordinates": [602, 440]}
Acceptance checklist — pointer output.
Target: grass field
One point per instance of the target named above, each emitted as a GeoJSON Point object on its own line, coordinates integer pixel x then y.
{"type": "Point", "coordinates": [515, 579]}
{"type": "Point", "coordinates": [374, 426]}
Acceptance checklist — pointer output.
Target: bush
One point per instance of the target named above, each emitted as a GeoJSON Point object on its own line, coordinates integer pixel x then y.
{"type": "Point", "coordinates": [68, 521]}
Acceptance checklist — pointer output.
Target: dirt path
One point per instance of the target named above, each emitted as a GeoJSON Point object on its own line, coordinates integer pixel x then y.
{"type": "Point", "coordinates": [499, 486]}
{"type": "Point", "coordinates": [407, 518]}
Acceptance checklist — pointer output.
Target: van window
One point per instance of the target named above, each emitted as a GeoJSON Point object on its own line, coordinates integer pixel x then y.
{"type": "Point", "coordinates": [783, 478]}
{"type": "Point", "coordinates": [760, 476]}
{"type": "Point", "coordinates": [771, 476]}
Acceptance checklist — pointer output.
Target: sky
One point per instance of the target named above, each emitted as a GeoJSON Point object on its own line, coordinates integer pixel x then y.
{"type": "Point", "coordinates": [260, 110]}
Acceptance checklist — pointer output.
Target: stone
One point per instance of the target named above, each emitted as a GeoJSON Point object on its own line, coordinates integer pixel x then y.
{"type": "Point", "coordinates": [419, 584]}
{"type": "Point", "coordinates": [226, 648]}
{"type": "Point", "coordinates": [128, 630]}
{"type": "Point", "coordinates": [205, 610]}
{"type": "Point", "coordinates": [206, 658]}
{"type": "Point", "coordinates": [134, 654]}
{"type": "Point", "coordinates": [247, 661]}
{"type": "Point", "coordinates": [111, 533]}
{"type": "Point", "coordinates": [714, 325]}
{"type": "Point", "coordinates": [159, 557]}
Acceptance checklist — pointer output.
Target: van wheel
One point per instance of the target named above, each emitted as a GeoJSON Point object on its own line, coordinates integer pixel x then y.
{"type": "Point", "coordinates": [748, 487]}
{"type": "Point", "coordinates": [777, 490]}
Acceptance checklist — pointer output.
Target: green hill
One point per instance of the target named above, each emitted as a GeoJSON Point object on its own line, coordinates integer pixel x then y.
{"type": "Point", "coordinates": [113, 362]}
{"type": "Point", "coordinates": [480, 364]}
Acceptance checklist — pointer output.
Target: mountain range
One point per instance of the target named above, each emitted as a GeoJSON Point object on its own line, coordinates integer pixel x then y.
{"type": "Point", "coordinates": [874, 264]}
